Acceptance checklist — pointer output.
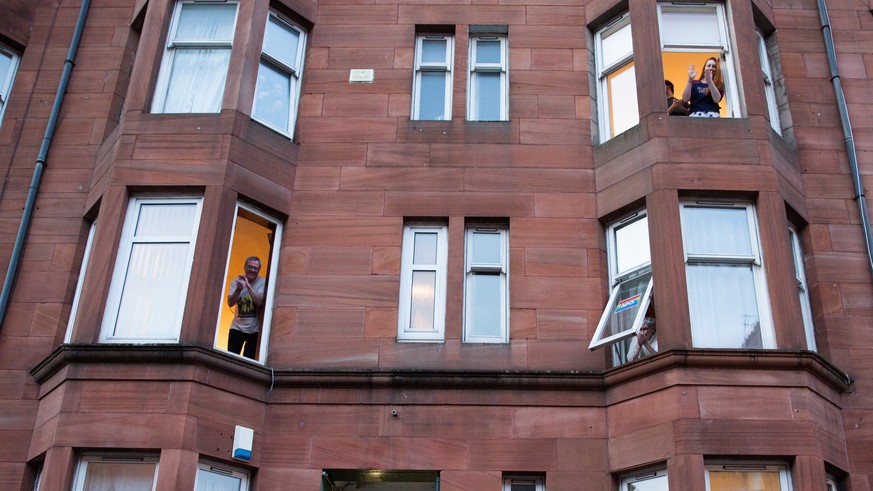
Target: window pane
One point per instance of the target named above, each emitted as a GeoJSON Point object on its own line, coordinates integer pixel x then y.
{"type": "Point", "coordinates": [724, 308]}
{"type": "Point", "coordinates": [718, 231]}
{"type": "Point", "coordinates": [523, 487]}
{"type": "Point", "coordinates": [423, 298]}
{"type": "Point", "coordinates": [206, 22]}
{"type": "Point", "coordinates": [101, 476]}
{"type": "Point", "coordinates": [484, 305]}
{"type": "Point", "coordinates": [281, 41]}
{"type": "Point", "coordinates": [628, 302]}
{"type": "Point", "coordinates": [690, 28]}
{"type": "Point", "coordinates": [655, 484]}
{"type": "Point", "coordinates": [425, 251]}
{"type": "Point", "coordinates": [632, 245]}
{"type": "Point", "coordinates": [432, 97]}
{"type": "Point", "coordinates": [213, 481]}
{"type": "Point", "coordinates": [488, 51]}
{"type": "Point", "coordinates": [165, 220]}
{"type": "Point", "coordinates": [273, 97]}
{"type": "Point", "coordinates": [744, 480]}
{"type": "Point", "coordinates": [5, 63]}
{"type": "Point", "coordinates": [485, 248]}
{"type": "Point", "coordinates": [197, 81]}
{"type": "Point", "coordinates": [433, 51]}
{"type": "Point", "coordinates": [487, 96]}
{"type": "Point", "coordinates": [624, 111]}
{"type": "Point", "coordinates": [616, 46]}
{"type": "Point", "coordinates": [153, 291]}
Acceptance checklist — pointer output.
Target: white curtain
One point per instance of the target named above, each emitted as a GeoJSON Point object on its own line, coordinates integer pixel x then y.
{"type": "Point", "coordinates": [723, 304]}
{"type": "Point", "coordinates": [213, 481]}
{"type": "Point", "coordinates": [115, 476]}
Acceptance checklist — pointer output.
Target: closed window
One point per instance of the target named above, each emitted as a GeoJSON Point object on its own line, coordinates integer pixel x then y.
{"type": "Point", "coordinates": [769, 78]}
{"type": "Point", "coordinates": [196, 59]}
{"type": "Point", "coordinates": [486, 291]}
{"type": "Point", "coordinates": [488, 93]}
{"type": "Point", "coordinates": [150, 281]}
{"type": "Point", "coordinates": [423, 283]}
{"type": "Point", "coordinates": [8, 67]}
{"type": "Point", "coordinates": [99, 473]}
{"type": "Point", "coordinates": [628, 321]}
{"type": "Point", "coordinates": [523, 483]}
{"type": "Point", "coordinates": [617, 105]}
{"type": "Point", "coordinates": [645, 481]}
{"type": "Point", "coordinates": [724, 270]}
{"type": "Point", "coordinates": [278, 88]}
{"type": "Point", "coordinates": [213, 476]}
{"type": "Point", "coordinates": [691, 33]}
{"type": "Point", "coordinates": [751, 476]}
{"type": "Point", "coordinates": [802, 288]}
{"type": "Point", "coordinates": [432, 84]}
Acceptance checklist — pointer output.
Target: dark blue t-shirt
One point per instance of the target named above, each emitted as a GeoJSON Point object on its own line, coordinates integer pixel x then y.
{"type": "Point", "coordinates": [700, 99]}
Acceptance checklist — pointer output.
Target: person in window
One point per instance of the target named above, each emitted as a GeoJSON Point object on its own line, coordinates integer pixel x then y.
{"type": "Point", "coordinates": [247, 295]}
{"type": "Point", "coordinates": [675, 106]}
{"type": "Point", "coordinates": [645, 343]}
{"type": "Point", "coordinates": [668, 86]}
{"type": "Point", "coordinates": [705, 93]}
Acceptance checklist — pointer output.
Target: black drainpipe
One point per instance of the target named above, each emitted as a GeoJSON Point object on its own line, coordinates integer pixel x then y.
{"type": "Point", "coordinates": [847, 129]}
{"type": "Point", "coordinates": [40, 163]}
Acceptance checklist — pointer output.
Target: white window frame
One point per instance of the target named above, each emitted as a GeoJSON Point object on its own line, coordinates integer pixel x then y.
{"type": "Point", "coordinates": [422, 66]}
{"type": "Point", "coordinates": [85, 460]}
{"type": "Point", "coordinates": [831, 483]}
{"type": "Point", "coordinates": [769, 83]}
{"type": "Point", "coordinates": [628, 480]}
{"type": "Point", "coordinates": [128, 240]}
{"type": "Point", "coordinates": [74, 308]}
{"type": "Point", "coordinates": [269, 293]}
{"type": "Point", "coordinates": [174, 45]}
{"type": "Point", "coordinates": [619, 276]}
{"type": "Point", "coordinates": [753, 259]}
{"type": "Point", "coordinates": [731, 97]}
{"type": "Point", "coordinates": [407, 270]}
{"type": "Point", "coordinates": [477, 67]}
{"type": "Point", "coordinates": [605, 70]}
{"type": "Point", "coordinates": [292, 72]}
{"type": "Point", "coordinates": [522, 479]}
{"type": "Point", "coordinates": [223, 470]}
{"type": "Point", "coordinates": [9, 78]}
{"type": "Point", "coordinates": [802, 288]}
{"type": "Point", "coordinates": [751, 466]}
{"type": "Point", "coordinates": [471, 270]}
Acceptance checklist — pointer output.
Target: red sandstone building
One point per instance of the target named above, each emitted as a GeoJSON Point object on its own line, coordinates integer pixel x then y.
{"type": "Point", "coordinates": [492, 259]}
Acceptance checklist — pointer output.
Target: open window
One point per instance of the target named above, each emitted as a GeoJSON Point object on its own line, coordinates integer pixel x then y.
{"type": "Point", "coordinates": [770, 81]}
{"type": "Point", "coordinates": [379, 480]}
{"type": "Point", "coordinates": [486, 284]}
{"type": "Point", "coordinates": [130, 473]}
{"type": "Point", "coordinates": [244, 327]}
{"type": "Point", "coordinates": [212, 476]}
{"type": "Point", "coordinates": [690, 34]}
{"type": "Point", "coordinates": [654, 480]}
{"type": "Point", "coordinates": [617, 105]}
{"type": "Point", "coordinates": [731, 476]}
{"type": "Point", "coordinates": [628, 321]}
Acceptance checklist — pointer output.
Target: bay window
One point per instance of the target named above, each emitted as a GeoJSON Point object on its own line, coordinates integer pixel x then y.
{"type": "Point", "coordinates": [278, 86]}
{"type": "Point", "coordinates": [196, 58]}
{"type": "Point", "coordinates": [432, 83]}
{"type": "Point", "coordinates": [724, 270]}
{"type": "Point", "coordinates": [617, 105]}
{"type": "Point", "coordinates": [486, 295]}
{"type": "Point", "coordinates": [627, 322]}
{"type": "Point", "coordinates": [691, 33]}
{"type": "Point", "coordinates": [150, 280]}
{"type": "Point", "coordinates": [423, 283]}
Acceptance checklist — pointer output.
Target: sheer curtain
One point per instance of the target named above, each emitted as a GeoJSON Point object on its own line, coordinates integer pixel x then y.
{"type": "Point", "coordinates": [213, 481]}
{"type": "Point", "coordinates": [116, 476]}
